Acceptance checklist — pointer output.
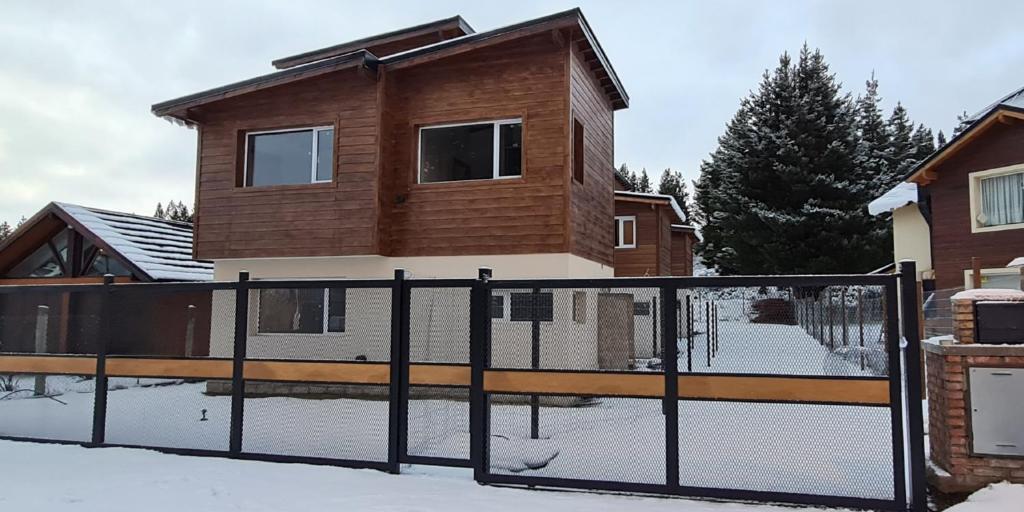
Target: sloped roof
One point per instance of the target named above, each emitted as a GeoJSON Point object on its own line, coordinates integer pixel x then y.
{"type": "Point", "coordinates": [328, 60]}
{"type": "Point", "coordinates": [899, 196]}
{"type": "Point", "coordinates": [162, 249]}
{"type": "Point", "coordinates": [664, 197]}
{"type": "Point", "coordinates": [1008, 108]}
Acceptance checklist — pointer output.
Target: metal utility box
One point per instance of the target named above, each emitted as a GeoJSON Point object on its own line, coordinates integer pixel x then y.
{"type": "Point", "coordinates": [999, 323]}
{"type": "Point", "coordinates": [997, 411]}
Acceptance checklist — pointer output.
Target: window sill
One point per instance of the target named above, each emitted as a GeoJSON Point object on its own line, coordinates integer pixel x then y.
{"type": "Point", "coordinates": [989, 229]}
{"type": "Point", "coordinates": [482, 183]}
{"type": "Point", "coordinates": [284, 188]}
{"type": "Point", "coordinates": [618, 247]}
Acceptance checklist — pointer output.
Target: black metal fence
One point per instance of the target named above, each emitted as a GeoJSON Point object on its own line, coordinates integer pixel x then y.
{"type": "Point", "coordinates": [571, 383]}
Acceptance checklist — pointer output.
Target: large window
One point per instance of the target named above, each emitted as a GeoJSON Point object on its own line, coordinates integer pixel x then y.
{"type": "Point", "coordinates": [625, 232]}
{"type": "Point", "coordinates": [301, 311]}
{"type": "Point", "coordinates": [478, 151]}
{"type": "Point", "coordinates": [997, 199]}
{"type": "Point", "coordinates": [289, 157]}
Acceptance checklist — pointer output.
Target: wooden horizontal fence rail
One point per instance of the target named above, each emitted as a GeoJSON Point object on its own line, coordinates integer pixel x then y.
{"type": "Point", "coordinates": [439, 375]}
{"type": "Point", "coordinates": [327, 372]}
{"type": "Point", "coordinates": [47, 365]}
{"type": "Point", "coordinates": [178, 368]}
{"type": "Point", "coordinates": [759, 388]}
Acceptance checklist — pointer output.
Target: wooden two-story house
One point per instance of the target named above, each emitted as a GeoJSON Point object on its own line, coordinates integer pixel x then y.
{"type": "Point", "coordinates": [433, 148]}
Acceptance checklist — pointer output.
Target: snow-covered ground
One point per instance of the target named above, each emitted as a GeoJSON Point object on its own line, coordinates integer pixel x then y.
{"type": "Point", "coordinates": [74, 479]}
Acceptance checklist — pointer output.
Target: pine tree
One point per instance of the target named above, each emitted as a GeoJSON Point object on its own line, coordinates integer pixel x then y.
{"type": "Point", "coordinates": [672, 184]}
{"type": "Point", "coordinates": [5, 230]}
{"type": "Point", "coordinates": [923, 142]}
{"type": "Point", "coordinates": [902, 152]}
{"type": "Point", "coordinates": [781, 193]}
{"type": "Point", "coordinates": [961, 123]}
{"type": "Point", "coordinates": [643, 183]}
{"type": "Point", "coordinates": [160, 213]}
{"type": "Point", "coordinates": [21, 221]}
{"type": "Point", "coordinates": [628, 177]}
{"type": "Point", "coordinates": [941, 139]}
{"type": "Point", "coordinates": [872, 157]}
{"type": "Point", "coordinates": [179, 212]}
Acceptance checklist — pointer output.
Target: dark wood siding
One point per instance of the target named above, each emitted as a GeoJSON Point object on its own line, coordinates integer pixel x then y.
{"type": "Point", "coordinates": [665, 216]}
{"type": "Point", "coordinates": [337, 218]}
{"type": "Point", "coordinates": [682, 253]}
{"type": "Point", "coordinates": [643, 260]}
{"type": "Point", "coordinates": [592, 203]}
{"type": "Point", "coordinates": [953, 244]}
{"type": "Point", "coordinates": [524, 79]}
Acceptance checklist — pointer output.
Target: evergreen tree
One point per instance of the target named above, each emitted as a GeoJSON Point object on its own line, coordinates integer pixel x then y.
{"type": "Point", "coordinates": [672, 184]}
{"type": "Point", "coordinates": [160, 213]}
{"type": "Point", "coordinates": [961, 123]}
{"type": "Point", "coordinates": [5, 230]}
{"type": "Point", "coordinates": [872, 157]}
{"type": "Point", "coordinates": [923, 142]}
{"type": "Point", "coordinates": [902, 152]}
{"type": "Point", "coordinates": [21, 221]}
{"type": "Point", "coordinates": [941, 139]}
{"type": "Point", "coordinates": [643, 183]}
{"type": "Point", "coordinates": [175, 210]}
{"type": "Point", "coordinates": [627, 177]}
{"type": "Point", "coordinates": [781, 193]}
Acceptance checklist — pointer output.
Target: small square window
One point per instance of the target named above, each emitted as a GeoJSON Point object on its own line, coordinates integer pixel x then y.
{"type": "Point", "coordinates": [579, 307]}
{"type": "Point", "coordinates": [497, 306]}
{"type": "Point", "coordinates": [625, 232]}
{"type": "Point", "coordinates": [641, 309]}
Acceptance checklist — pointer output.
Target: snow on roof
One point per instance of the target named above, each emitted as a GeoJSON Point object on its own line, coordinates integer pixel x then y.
{"type": "Point", "coordinates": [675, 204]}
{"type": "Point", "coordinates": [160, 248]}
{"type": "Point", "coordinates": [1016, 263]}
{"type": "Point", "coordinates": [989, 294]}
{"type": "Point", "coordinates": [899, 196]}
{"type": "Point", "coordinates": [1013, 100]}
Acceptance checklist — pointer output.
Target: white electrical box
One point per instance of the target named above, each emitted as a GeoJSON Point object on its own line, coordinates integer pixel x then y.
{"type": "Point", "coordinates": [997, 411]}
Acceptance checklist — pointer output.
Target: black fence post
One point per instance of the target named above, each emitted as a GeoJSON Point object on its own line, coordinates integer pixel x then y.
{"type": "Point", "coordinates": [535, 361]}
{"type": "Point", "coordinates": [707, 332]}
{"type": "Point", "coordinates": [398, 410]}
{"type": "Point", "coordinates": [915, 395]}
{"type": "Point", "coordinates": [99, 410]}
{"type": "Point", "coordinates": [238, 360]}
{"type": "Point", "coordinates": [479, 357]}
{"type": "Point", "coordinates": [670, 403]}
{"type": "Point", "coordinates": [689, 335]}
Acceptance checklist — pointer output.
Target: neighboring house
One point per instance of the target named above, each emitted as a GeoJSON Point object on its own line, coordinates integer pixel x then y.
{"type": "Point", "coordinates": [69, 244]}
{"type": "Point", "coordinates": [966, 201]}
{"type": "Point", "coordinates": [435, 149]}
{"type": "Point", "coordinates": [652, 238]}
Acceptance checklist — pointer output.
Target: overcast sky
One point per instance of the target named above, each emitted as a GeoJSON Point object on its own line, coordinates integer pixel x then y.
{"type": "Point", "coordinates": [77, 78]}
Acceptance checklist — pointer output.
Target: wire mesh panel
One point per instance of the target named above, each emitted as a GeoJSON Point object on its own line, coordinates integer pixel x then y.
{"type": "Point", "coordinates": [44, 320]}
{"type": "Point", "coordinates": [829, 330]}
{"type": "Point", "coordinates": [569, 405]}
{"type": "Point", "coordinates": [165, 390]}
{"type": "Point", "coordinates": [827, 450]}
{"type": "Point", "coordinates": [53, 407]}
{"type": "Point", "coordinates": [331, 421]}
{"type": "Point", "coordinates": [437, 416]}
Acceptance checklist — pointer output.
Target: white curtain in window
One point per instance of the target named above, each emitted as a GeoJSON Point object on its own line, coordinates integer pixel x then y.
{"type": "Point", "coordinates": [1002, 200]}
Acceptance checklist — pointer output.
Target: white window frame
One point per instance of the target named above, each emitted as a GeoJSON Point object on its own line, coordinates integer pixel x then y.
{"type": "Point", "coordinates": [324, 324]}
{"type": "Point", "coordinates": [974, 180]}
{"type": "Point", "coordinates": [620, 239]}
{"type": "Point", "coordinates": [312, 163]}
{"type": "Point", "coordinates": [998, 271]}
{"type": "Point", "coordinates": [496, 171]}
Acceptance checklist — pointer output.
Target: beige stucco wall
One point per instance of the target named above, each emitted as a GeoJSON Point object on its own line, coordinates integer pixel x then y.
{"type": "Point", "coordinates": [439, 318]}
{"type": "Point", "coordinates": [911, 238]}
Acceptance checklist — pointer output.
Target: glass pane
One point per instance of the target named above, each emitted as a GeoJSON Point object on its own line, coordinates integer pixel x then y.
{"type": "Point", "coordinates": [336, 310]}
{"type": "Point", "coordinates": [1002, 200]}
{"type": "Point", "coordinates": [104, 264]}
{"type": "Point", "coordinates": [457, 153]}
{"type": "Point", "coordinates": [324, 155]}
{"type": "Point", "coordinates": [291, 310]}
{"type": "Point", "coordinates": [40, 263]}
{"type": "Point", "coordinates": [279, 158]}
{"type": "Point", "coordinates": [1005, 281]}
{"type": "Point", "coordinates": [511, 145]}
{"type": "Point", "coordinates": [627, 232]}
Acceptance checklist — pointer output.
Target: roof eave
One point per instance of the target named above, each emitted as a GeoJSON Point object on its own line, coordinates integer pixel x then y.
{"type": "Point", "coordinates": [923, 173]}
{"type": "Point", "coordinates": [178, 108]}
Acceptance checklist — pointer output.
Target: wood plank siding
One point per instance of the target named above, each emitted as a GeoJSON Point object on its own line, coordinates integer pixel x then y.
{"type": "Point", "coordinates": [375, 205]}
{"type": "Point", "coordinates": [682, 253]}
{"type": "Point", "coordinates": [522, 79]}
{"type": "Point", "coordinates": [592, 203]}
{"type": "Point", "coordinates": [652, 231]}
{"type": "Point", "coordinates": [953, 243]}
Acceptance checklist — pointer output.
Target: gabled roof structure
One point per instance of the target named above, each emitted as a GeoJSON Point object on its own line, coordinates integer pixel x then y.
{"type": "Point", "coordinates": [359, 54]}
{"type": "Point", "coordinates": [150, 249]}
